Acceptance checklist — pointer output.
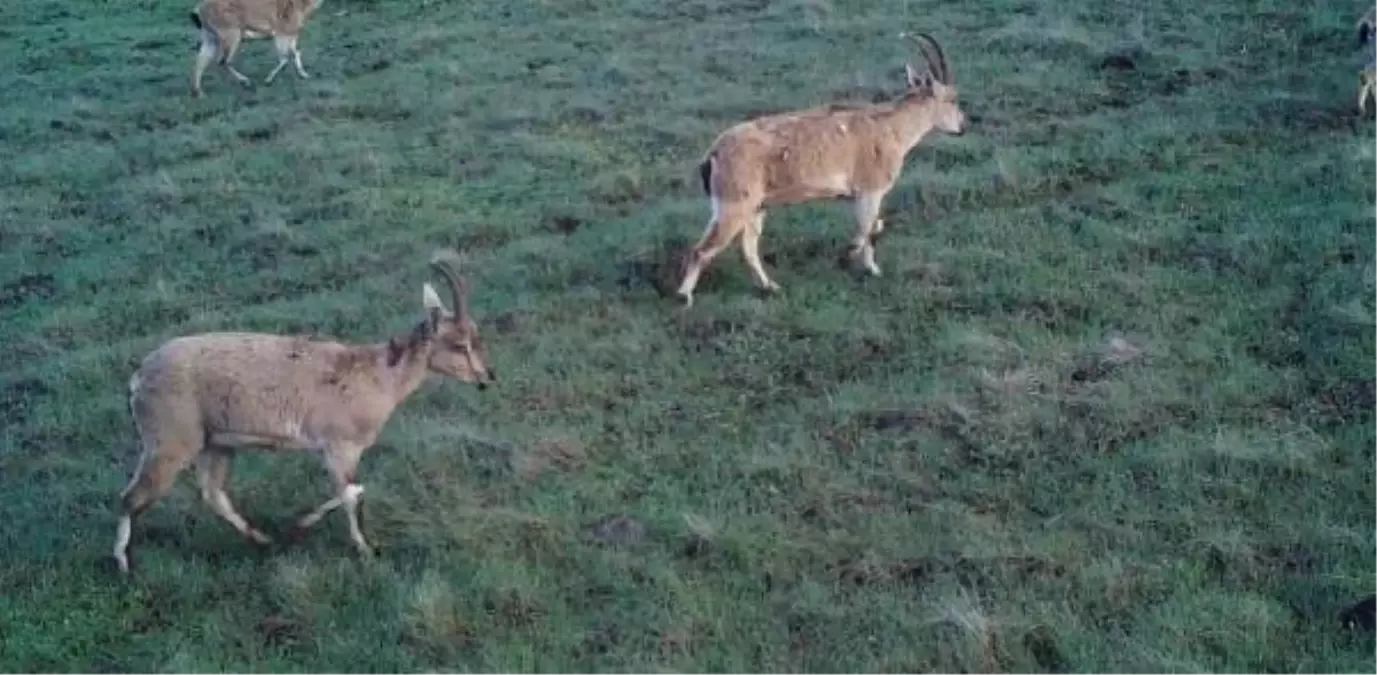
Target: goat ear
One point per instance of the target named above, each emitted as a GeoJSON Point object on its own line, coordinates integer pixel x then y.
{"type": "Point", "coordinates": [915, 78]}
{"type": "Point", "coordinates": [431, 299]}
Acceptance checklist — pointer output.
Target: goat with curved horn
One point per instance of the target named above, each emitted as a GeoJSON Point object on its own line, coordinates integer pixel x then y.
{"type": "Point", "coordinates": [850, 152]}
{"type": "Point", "coordinates": [196, 398]}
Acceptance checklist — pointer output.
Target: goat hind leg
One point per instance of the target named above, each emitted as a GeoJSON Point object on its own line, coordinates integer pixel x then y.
{"type": "Point", "coordinates": [722, 231]}
{"type": "Point", "coordinates": [750, 249]}
{"type": "Point", "coordinates": [152, 479]}
{"type": "Point", "coordinates": [212, 470]}
{"type": "Point", "coordinates": [204, 55]}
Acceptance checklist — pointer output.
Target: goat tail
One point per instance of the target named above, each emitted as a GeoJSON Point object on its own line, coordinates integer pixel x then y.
{"type": "Point", "coordinates": [705, 172]}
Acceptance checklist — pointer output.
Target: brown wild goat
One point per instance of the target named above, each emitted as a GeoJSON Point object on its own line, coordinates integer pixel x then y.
{"type": "Point", "coordinates": [225, 23]}
{"type": "Point", "coordinates": [1367, 35]}
{"type": "Point", "coordinates": [852, 152]}
{"type": "Point", "coordinates": [197, 398]}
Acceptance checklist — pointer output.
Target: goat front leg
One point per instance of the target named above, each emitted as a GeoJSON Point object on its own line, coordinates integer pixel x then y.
{"type": "Point", "coordinates": [229, 46]}
{"type": "Point", "coordinates": [866, 207]}
{"type": "Point", "coordinates": [283, 44]}
{"type": "Point", "coordinates": [341, 462]}
{"type": "Point", "coordinates": [296, 60]}
{"type": "Point", "coordinates": [213, 471]}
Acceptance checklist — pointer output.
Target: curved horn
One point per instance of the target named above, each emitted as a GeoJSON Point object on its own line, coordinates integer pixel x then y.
{"type": "Point", "coordinates": [458, 287]}
{"type": "Point", "coordinates": [936, 58]}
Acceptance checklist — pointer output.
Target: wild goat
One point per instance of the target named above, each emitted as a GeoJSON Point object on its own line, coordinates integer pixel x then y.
{"type": "Point", "coordinates": [1367, 26]}
{"type": "Point", "coordinates": [199, 397]}
{"type": "Point", "coordinates": [224, 23]}
{"type": "Point", "coordinates": [852, 152]}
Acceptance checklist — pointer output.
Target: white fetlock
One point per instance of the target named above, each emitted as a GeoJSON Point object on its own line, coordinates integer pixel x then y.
{"type": "Point", "coordinates": [121, 552]}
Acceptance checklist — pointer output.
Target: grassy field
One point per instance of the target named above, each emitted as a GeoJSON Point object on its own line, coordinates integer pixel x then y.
{"type": "Point", "coordinates": [1110, 409]}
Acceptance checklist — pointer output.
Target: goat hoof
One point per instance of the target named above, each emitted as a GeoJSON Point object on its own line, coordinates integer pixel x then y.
{"type": "Point", "coordinates": [686, 299]}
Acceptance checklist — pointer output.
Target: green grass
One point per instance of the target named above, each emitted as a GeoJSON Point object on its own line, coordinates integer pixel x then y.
{"type": "Point", "coordinates": [919, 472]}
